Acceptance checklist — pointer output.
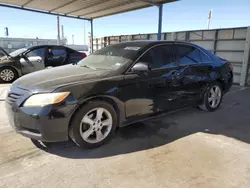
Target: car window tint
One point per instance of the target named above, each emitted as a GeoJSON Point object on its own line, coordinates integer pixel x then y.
{"type": "Point", "coordinates": [159, 57]}
{"type": "Point", "coordinates": [57, 53]}
{"type": "Point", "coordinates": [56, 57]}
{"type": "Point", "coordinates": [36, 52]}
{"type": "Point", "coordinates": [74, 56]}
{"type": "Point", "coordinates": [188, 55]}
{"type": "Point", "coordinates": [204, 57]}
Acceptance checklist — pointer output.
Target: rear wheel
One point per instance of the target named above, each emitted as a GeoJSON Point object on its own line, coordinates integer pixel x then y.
{"type": "Point", "coordinates": [212, 97]}
{"type": "Point", "coordinates": [8, 75]}
{"type": "Point", "coordinates": [93, 125]}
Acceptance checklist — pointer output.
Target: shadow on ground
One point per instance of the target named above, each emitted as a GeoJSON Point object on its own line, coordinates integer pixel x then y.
{"type": "Point", "coordinates": [231, 120]}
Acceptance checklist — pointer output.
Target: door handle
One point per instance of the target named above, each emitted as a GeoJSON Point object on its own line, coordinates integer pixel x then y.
{"type": "Point", "coordinates": [39, 61]}
{"type": "Point", "coordinates": [176, 74]}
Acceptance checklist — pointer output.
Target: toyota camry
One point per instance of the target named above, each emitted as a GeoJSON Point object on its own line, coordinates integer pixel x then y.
{"type": "Point", "coordinates": [116, 86]}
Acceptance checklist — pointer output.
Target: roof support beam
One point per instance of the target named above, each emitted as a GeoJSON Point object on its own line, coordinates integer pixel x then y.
{"type": "Point", "coordinates": [43, 12]}
{"type": "Point", "coordinates": [160, 7]}
{"type": "Point", "coordinates": [64, 5]}
{"type": "Point", "coordinates": [27, 3]}
{"type": "Point", "coordinates": [91, 36]}
{"type": "Point", "coordinates": [151, 2]}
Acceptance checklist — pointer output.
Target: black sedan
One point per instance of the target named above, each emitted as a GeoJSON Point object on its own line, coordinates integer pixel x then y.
{"type": "Point", "coordinates": [116, 86]}
{"type": "Point", "coordinates": [27, 60]}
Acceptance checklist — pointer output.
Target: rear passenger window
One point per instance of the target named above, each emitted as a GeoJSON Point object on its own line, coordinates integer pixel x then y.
{"type": "Point", "coordinates": [204, 57]}
{"type": "Point", "coordinates": [74, 56]}
{"type": "Point", "coordinates": [188, 55]}
{"type": "Point", "coordinates": [159, 57]}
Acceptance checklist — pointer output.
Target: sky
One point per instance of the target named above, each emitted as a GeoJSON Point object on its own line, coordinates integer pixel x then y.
{"type": "Point", "coordinates": [177, 16]}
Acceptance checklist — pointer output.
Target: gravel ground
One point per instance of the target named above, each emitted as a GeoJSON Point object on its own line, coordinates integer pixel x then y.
{"type": "Point", "coordinates": [190, 148]}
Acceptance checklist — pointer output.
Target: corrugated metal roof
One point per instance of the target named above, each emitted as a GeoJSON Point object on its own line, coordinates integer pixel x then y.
{"type": "Point", "coordinates": [83, 8]}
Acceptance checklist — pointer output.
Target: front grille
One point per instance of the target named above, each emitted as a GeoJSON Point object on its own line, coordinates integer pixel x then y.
{"type": "Point", "coordinates": [13, 97]}
{"type": "Point", "coordinates": [17, 95]}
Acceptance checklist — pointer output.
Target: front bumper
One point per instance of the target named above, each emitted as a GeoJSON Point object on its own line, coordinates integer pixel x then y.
{"type": "Point", "coordinates": [48, 123]}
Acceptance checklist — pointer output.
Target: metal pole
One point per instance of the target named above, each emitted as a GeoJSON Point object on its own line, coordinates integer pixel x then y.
{"type": "Point", "coordinates": [209, 19]}
{"type": "Point", "coordinates": [73, 39]}
{"type": "Point", "coordinates": [62, 32]}
{"type": "Point", "coordinates": [58, 30]}
{"type": "Point", "coordinates": [84, 34]}
{"type": "Point", "coordinates": [159, 21]}
{"type": "Point", "coordinates": [91, 36]}
{"type": "Point", "coordinates": [246, 58]}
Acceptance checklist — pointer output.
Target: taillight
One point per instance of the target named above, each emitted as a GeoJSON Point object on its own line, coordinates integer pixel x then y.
{"type": "Point", "coordinates": [230, 66]}
{"type": "Point", "coordinates": [83, 55]}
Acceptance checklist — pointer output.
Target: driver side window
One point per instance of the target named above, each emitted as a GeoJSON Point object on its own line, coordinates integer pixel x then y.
{"type": "Point", "coordinates": [40, 52]}
{"type": "Point", "coordinates": [159, 57]}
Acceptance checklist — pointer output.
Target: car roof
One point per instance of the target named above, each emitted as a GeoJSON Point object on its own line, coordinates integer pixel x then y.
{"type": "Point", "coordinates": [49, 45]}
{"type": "Point", "coordinates": [148, 43]}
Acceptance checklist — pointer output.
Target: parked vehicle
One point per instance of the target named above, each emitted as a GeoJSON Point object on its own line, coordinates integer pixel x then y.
{"type": "Point", "coordinates": [116, 86]}
{"type": "Point", "coordinates": [24, 61]}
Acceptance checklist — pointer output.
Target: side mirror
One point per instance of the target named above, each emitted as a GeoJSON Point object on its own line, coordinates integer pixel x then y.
{"type": "Point", "coordinates": [140, 67]}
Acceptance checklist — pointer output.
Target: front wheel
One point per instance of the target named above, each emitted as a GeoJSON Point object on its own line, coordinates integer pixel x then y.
{"type": "Point", "coordinates": [8, 75]}
{"type": "Point", "coordinates": [212, 97]}
{"type": "Point", "coordinates": [93, 125]}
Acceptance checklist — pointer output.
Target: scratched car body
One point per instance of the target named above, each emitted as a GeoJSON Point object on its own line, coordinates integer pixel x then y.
{"type": "Point", "coordinates": [116, 86]}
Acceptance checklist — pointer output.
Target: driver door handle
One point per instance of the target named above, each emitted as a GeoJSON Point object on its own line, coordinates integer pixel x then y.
{"type": "Point", "coordinates": [176, 74]}
{"type": "Point", "coordinates": [39, 61]}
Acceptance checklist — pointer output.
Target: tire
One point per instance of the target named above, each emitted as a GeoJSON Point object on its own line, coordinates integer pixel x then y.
{"type": "Point", "coordinates": [11, 72]}
{"type": "Point", "coordinates": [207, 103]}
{"type": "Point", "coordinates": [85, 133]}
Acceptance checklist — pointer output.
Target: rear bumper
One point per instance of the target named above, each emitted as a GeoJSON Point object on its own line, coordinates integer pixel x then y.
{"type": "Point", "coordinates": [48, 123]}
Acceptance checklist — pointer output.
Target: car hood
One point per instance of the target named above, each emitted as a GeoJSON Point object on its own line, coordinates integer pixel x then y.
{"type": "Point", "coordinates": [50, 79]}
{"type": "Point", "coordinates": [5, 59]}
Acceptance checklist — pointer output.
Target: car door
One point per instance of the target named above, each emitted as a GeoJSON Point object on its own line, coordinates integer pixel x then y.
{"type": "Point", "coordinates": [56, 56]}
{"type": "Point", "coordinates": [33, 60]}
{"type": "Point", "coordinates": [156, 90]}
{"type": "Point", "coordinates": [194, 70]}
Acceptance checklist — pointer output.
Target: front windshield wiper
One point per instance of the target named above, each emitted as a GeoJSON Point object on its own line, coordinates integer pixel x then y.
{"type": "Point", "coordinates": [88, 67]}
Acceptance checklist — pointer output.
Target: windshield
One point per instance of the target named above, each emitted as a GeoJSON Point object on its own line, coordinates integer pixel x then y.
{"type": "Point", "coordinates": [18, 52]}
{"type": "Point", "coordinates": [111, 57]}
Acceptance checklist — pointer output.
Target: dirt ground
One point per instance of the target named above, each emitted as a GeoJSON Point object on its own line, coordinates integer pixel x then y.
{"type": "Point", "coordinates": [190, 148]}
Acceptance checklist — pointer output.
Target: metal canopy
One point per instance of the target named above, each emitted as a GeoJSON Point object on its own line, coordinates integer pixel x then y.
{"type": "Point", "coordinates": [86, 9]}
{"type": "Point", "coordinates": [82, 9]}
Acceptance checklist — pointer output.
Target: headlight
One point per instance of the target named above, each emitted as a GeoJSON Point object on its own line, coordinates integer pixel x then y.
{"type": "Point", "coordinates": [45, 99]}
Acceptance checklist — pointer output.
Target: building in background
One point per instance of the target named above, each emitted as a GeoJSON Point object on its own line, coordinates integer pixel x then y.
{"type": "Point", "coordinates": [12, 44]}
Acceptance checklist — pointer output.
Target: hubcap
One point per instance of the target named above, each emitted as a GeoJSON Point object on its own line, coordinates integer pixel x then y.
{"type": "Point", "coordinates": [7, 75]}
{"type": "Point", "coordinates": [96, 125]}
{"type": "Point", "coordinates": [214, 96]}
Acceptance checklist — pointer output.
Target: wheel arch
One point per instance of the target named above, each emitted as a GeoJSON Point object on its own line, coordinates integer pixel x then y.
{"type": "Point", "coordinates": [222, 83]}
{"type": "Point", "coordinates": [116, 104]}
{"type": "Point", "coordinates": [12, 67]}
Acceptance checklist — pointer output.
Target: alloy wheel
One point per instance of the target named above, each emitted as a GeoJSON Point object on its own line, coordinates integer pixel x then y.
{"type": "Point", "coordinates": [7, 75]}
{"type": "Point", "coordinates": [214, 96]}
{"type": "Point", "coordinates": [96, 125]}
